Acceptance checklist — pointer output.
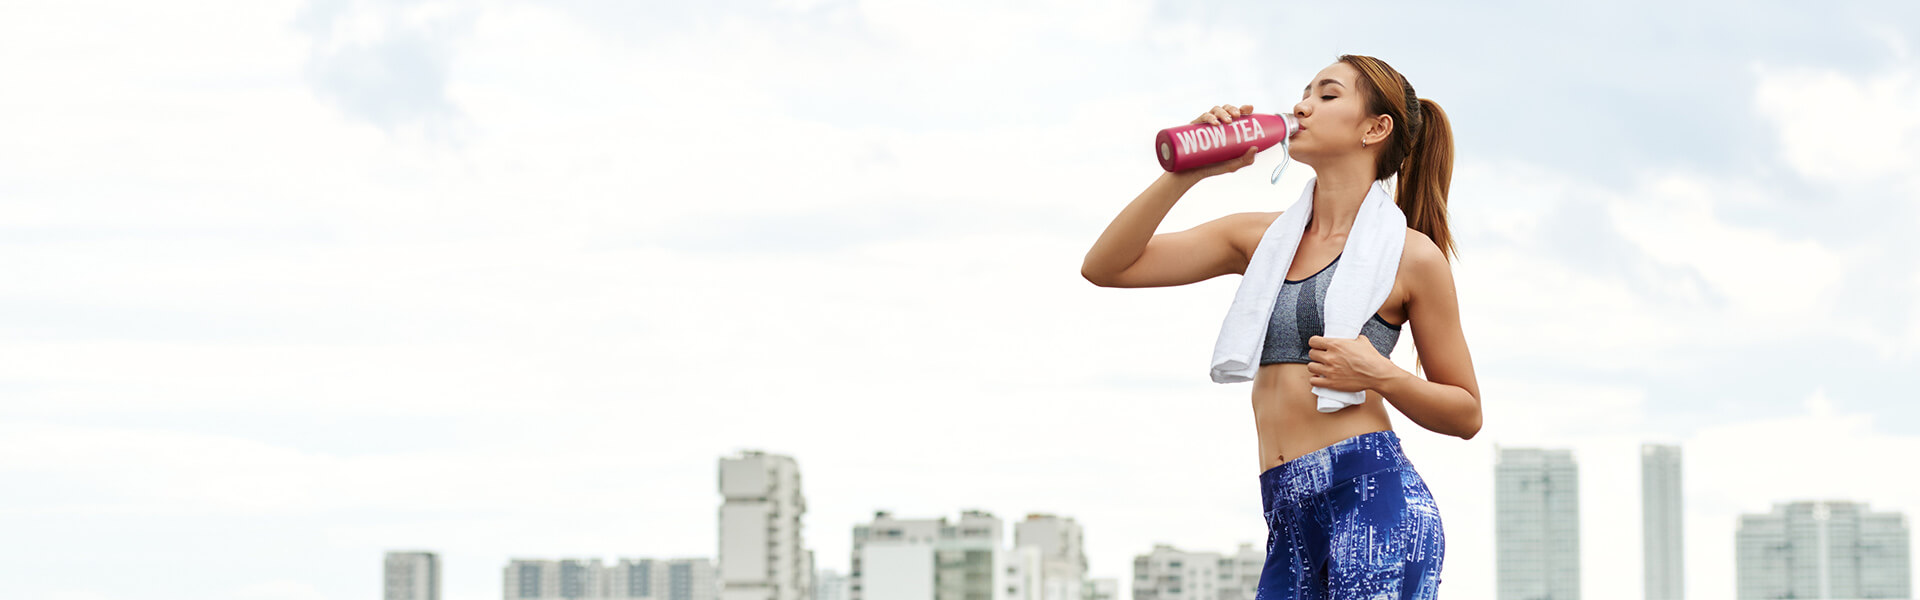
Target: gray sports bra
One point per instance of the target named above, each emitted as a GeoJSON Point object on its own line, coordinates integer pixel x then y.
{"type": "Point", "coordinates": [1296, 318]}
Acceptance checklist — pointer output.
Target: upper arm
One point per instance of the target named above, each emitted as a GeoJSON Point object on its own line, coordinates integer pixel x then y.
{"type": "Point", "coordinates": [1208, 250]}
{"type": "Point", "coordinates": [1434, 309]}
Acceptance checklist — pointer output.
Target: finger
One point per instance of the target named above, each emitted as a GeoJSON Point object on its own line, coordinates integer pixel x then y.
{"type": "Point", "coordinates": [1246, 109]}
{"type": "Point", "coordinates": [1222, 111]}
{"type": "Point", "coordinates": [1318, 342]}
{"type": "Point", "coordinates": [1318, 356]}
{"type": "Point", "coordinates": [1233, 110]}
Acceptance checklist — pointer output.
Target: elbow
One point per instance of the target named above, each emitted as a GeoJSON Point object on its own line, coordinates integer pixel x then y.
{"type": "Point", "coordinates": [1470, 426]}
{"type": "Point", "coordinates": [1095, 277]}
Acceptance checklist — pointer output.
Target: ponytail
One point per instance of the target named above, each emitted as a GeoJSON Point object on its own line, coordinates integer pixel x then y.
{"type": "Point", "coordinates": [1425, 176]}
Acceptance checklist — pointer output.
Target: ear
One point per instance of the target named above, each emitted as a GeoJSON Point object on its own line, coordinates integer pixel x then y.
{"type": "Point", "coordinates": [1378, 129]}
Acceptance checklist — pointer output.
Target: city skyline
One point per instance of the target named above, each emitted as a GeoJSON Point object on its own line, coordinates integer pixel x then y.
{"type": "Point", "coordinates": [1867, 557]}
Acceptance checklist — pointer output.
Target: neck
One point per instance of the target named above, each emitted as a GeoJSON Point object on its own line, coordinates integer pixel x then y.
{"type": "Point", "coordinates": [1337, 194]}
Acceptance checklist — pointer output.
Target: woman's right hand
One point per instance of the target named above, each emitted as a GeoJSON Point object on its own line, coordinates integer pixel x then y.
{"type": "Point", "coordinates": [1224, 113]}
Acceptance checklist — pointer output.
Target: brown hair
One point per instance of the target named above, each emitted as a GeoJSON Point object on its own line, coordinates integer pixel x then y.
{"type": "Point", "coordinates": [1420, 151]}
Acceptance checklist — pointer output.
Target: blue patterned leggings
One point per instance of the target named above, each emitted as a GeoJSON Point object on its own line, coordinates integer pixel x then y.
{"type": "Point", "coordinates": [1350, 521]}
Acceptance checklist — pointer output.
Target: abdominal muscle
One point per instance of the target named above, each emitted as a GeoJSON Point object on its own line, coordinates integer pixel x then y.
{"type": "Point", "coordinates": [1287, 416]}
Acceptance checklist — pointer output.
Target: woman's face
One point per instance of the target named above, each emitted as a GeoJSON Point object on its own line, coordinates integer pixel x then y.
{"type": "Point", "coordinates": [1333, 117]}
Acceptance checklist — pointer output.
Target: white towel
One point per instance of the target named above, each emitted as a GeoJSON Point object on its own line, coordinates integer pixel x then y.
{"type": "Point", "coordinates": [1359, 287]}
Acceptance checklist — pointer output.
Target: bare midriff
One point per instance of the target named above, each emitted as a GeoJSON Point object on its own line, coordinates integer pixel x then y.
{"type": "Point", "coordinates": [1287, 416]}
{"type": "Point", "coordinates": [1285, 411]}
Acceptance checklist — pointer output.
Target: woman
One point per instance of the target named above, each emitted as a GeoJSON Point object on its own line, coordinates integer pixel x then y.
{"type": "Point", "coordinates": [1347, 514]}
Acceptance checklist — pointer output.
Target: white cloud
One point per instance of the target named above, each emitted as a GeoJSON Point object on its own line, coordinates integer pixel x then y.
{"type": "Point", "coordinates": [992, 31]}
{"type": "Point", "coordinates": [386, 62]}
{"type": "Point", "coordinates": [1670, 270]}
{"type": "Point", "coordinates": [1835, 126]}
{"type": "Point", "coordinates": [79, 595]}
{"type": "Point", "coordinates": [1860, 136]}
{"type": "Point", "coordinates": [1672, 219]}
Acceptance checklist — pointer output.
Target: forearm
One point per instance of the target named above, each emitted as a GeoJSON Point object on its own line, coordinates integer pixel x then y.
{"type": "Point", "coordinates": [1126, 237]}
{"type": "Point", "coordinates": [1438, 407]}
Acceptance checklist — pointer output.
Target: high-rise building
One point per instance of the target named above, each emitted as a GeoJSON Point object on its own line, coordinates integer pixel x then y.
{"type": "Point", "coordinates": [1832, 549]}
{"type": "Point", "coordinates": [970, 558]}
{"type": "Point", "coordinates": [763, 555]}
{"type": "Point", "coordinates": [1026, 573]}
{"type": "Point", "coordinates": [1241, 568]}
{"type": "Point", "coordinates": [589, 579]}
{"type": "Point", "coordinates": [1063, 562]}
{"type": "Point", "coordinates": [1661, 526]}
{"type": "Point", "coordinates": [662, 579]}
{"type": "Point", "coordinates": [412, 576]}
{"type": "Point", "coordinates": [893, 558]}
{"type": "Point", "coordinates": [929, 559]}
{"type": "Point", "coordinates": [1107, 588]}
{"type": "Point", "coordinates": [566, 578]}
{"type": "Point", "coordinates": [1168, 573]}
{"type": "Point", "coordinates": [830, 585]}
{"type": "Point", "coordinates": [1537, 524]}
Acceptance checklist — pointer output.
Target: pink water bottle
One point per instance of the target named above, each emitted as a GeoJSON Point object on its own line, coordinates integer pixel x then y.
{"type": "Point", "coordinates": [1200, 144]}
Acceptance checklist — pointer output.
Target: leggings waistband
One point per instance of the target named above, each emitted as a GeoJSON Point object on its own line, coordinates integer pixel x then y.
{"type": "Point", "coordinates": [1319, 470]}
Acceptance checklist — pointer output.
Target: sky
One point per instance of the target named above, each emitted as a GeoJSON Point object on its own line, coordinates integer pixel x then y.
{"type": "Point", "coordinates": [292, 284]}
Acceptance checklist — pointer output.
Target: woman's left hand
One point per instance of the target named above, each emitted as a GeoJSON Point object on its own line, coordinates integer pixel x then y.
{"type": "Point", "coordinates": [1348, 365]}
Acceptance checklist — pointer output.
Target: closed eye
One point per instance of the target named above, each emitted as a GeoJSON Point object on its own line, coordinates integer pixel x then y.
{"type": "Point", "coordinates": [1326, 97]}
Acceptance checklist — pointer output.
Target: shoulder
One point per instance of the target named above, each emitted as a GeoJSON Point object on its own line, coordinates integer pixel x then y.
{"type": "Point", "coordinates": [1422, 260]}
{"type": "Point", "coordinates": [1260, 221]}
{"type": "Point", "coordinates": [1421, 250]}
{"type": "Point", "coordinates": [1245, 229]}
{"type": "Point", "coordinates": [1255, 220]}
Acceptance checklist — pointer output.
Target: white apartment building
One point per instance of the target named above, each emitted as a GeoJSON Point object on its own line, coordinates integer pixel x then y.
{"type": "Point", "coordinates": [929, 559]}
{"type": "Point", "coordinates": [763, 555]}
{"type": "Point", "coordinates": [1168, 573]}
